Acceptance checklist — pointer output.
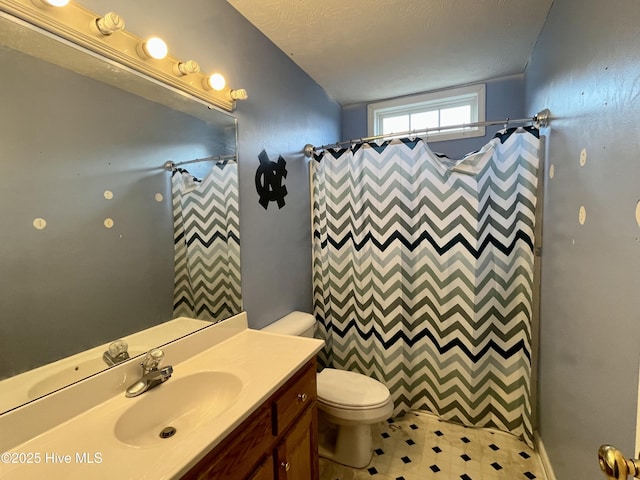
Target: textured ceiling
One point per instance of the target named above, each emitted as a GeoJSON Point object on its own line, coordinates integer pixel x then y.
{"type": "Point", "coordinates": [363, 50]}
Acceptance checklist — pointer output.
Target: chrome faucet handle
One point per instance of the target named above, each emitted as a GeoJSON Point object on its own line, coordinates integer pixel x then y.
{"type": "Point", "coordinates": [152, 359]}
{"type": "Point", "coordinates": [116, 352]}
{"type": "Point", "coordinates": [118, 347]}
{"type": "Point", "coordinates": [615, 466]}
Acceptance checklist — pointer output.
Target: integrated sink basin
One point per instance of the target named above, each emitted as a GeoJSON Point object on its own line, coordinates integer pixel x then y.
{"type": "Point", "coordinates": [177, 407]}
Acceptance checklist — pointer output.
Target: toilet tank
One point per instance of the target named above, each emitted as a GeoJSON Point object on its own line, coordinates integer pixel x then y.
{"type": "Point", "coordinates": [299, 324]}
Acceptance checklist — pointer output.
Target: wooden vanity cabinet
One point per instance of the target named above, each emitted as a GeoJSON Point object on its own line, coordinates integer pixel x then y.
{"type": "Point", "coordinates": [279, 441]}
{"type": "Point", "coordinates": [264, 471]}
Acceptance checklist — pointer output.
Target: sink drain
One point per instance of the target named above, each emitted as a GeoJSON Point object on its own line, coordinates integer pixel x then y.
{"type": "Point", "coordinates": [167, 432]}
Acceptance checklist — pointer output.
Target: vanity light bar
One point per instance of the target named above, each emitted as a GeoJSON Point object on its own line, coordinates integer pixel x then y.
{"type": "Point", "coordinates": [106, 36]}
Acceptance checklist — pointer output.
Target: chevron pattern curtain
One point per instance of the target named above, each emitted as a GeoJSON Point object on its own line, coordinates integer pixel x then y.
{"type": "Point", "coordinates": [207, 243]}
{"type": "Point", "coordinates": [423, 274]}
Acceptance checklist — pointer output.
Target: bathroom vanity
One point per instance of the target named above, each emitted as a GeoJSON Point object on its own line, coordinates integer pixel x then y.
{"type": "Point", "coordinates": [242, 404]}
{"type": "Point", "coordinates": [278, 441]}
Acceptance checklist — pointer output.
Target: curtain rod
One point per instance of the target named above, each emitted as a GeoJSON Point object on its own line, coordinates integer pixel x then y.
{"type": "Point", "coordinates": [171, 166]}
{"type": "Point", "coordinates": [541, 120]}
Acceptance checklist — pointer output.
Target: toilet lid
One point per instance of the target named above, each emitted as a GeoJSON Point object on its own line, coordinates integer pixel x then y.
{"type": "Point", "coordinates": [341, 388]}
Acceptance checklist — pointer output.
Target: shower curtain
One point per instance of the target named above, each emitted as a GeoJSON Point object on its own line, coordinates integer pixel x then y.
{"type": "Point", "coordinates": [423, 273]}
{"type": "Point", "coordinates": [207, 243]}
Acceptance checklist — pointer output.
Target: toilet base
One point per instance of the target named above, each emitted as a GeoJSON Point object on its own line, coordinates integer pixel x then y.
{"type": "Point", "coordinates": [349, 445]}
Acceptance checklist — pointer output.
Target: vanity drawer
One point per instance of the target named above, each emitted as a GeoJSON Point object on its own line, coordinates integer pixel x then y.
{"type": "Point", "coordinates": [291, 402]}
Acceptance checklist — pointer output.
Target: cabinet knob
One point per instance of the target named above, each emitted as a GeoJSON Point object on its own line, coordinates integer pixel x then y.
{"type": "Point", "coordinates": [302, 397]}
{"type": "Point", "coordinates": [285, 466]}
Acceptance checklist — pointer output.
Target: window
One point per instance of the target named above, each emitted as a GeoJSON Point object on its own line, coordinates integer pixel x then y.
{"type": "Point", "coordinates": [431, 110]}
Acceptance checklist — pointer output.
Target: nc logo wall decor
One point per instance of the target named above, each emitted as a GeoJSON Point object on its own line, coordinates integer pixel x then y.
{"type": "Point", "coordinates": [269, 180]}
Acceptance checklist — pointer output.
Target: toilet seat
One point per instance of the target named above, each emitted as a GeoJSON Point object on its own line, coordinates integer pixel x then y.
{"type": "Point", "coordinates": [350, 390]}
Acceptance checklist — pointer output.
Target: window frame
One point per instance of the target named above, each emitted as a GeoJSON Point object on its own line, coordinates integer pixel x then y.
{"type": "Point", "coordinates": [474, 95]}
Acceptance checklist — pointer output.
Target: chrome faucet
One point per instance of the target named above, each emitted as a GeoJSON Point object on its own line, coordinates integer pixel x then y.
{"type": "Point", "coordinates": [116, 353]}
{"type": "Point", "coordinates": [152, 375]}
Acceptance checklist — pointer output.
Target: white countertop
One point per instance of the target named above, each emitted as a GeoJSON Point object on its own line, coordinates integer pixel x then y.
{"type": "Point", "coordinates": [262, 361]}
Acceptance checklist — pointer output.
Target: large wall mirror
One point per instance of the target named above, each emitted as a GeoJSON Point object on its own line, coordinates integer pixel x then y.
{"type": "Point", "coordinates": [87, 211]}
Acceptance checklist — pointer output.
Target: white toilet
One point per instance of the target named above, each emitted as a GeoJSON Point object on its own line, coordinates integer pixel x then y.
{"type": "Point", "coordinates": [348, 402]}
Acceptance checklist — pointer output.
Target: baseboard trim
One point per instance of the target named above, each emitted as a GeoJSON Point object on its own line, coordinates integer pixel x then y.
{"type": "Point", "coordinates": [544, 459]}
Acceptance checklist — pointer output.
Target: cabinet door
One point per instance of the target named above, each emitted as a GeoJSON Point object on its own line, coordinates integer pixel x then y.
{"type": "Point", "coordinates": [264, 471]}
{"type": "Point", "coordinates": [239, 453]}
{"type": "Point", "coordinates": [297, 453]}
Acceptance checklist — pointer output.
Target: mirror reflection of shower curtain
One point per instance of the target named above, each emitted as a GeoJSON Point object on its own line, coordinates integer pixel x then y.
{"type": "Point", "coordinates": [207, 243]}
{"type": "Point", "coordinates": [423, 273]}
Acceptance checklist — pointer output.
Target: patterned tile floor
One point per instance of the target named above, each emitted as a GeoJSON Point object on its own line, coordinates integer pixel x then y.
{"type": "Point", "coordinates": [419, 446]}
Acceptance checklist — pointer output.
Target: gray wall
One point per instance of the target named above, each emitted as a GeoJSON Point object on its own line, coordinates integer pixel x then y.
{"type": "Point", "coordinates": [504, 98]}
{"type": "Point", "coordinates": [585, 69]}
{"type": "Point", "coordinates": [285, 110]}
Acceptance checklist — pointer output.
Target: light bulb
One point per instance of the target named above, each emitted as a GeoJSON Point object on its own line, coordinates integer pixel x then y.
{"type": "Point", "coordinates": [185, 68]}
{"type": "Point", "coordinates": [111, 22]}
{"type": "Point", "coordinates": [155, 48]}
{"type": "Point", "coordinates": [216, 81]}
{"type": "Point", "coordinates": [51, 3]}
{"type": "Point", "coordinates": [239, 94]}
